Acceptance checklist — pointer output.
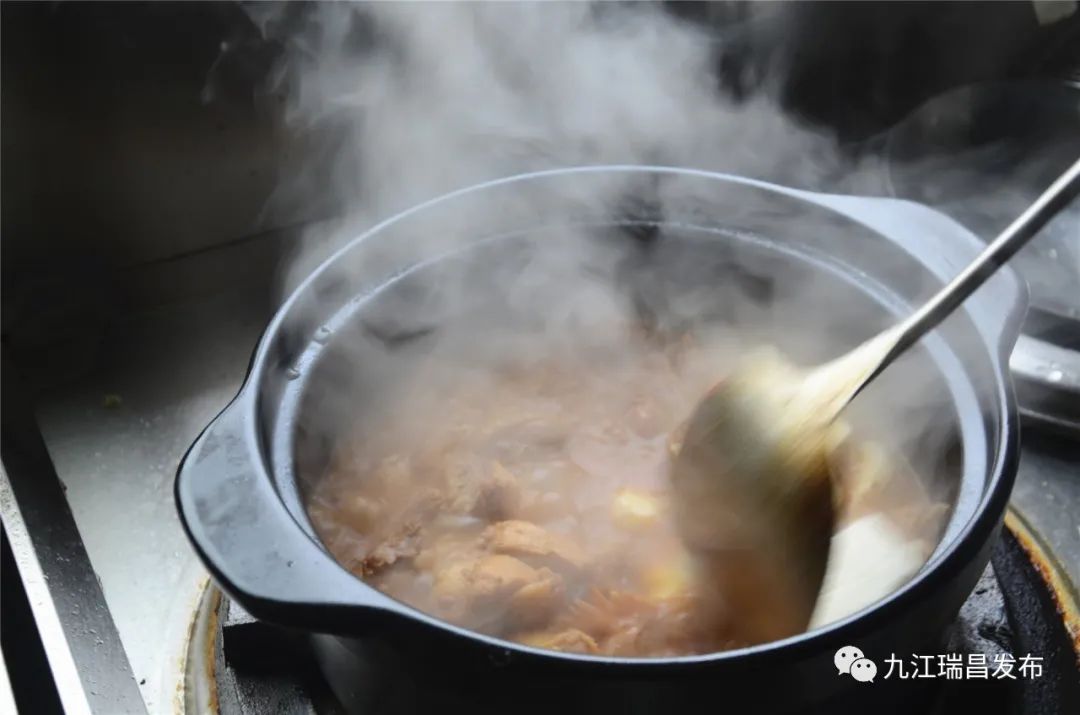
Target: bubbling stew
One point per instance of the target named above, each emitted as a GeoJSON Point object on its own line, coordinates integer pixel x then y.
{"type": "Point", "coordinates": [531, 502]}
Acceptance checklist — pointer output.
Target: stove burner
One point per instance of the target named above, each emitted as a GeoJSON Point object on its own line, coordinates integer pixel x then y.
{"type": "Point", "coordinates": [240, 666]}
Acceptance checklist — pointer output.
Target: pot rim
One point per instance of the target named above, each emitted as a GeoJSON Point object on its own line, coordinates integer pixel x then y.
{"type": "Point", "coordinates": [969, 540]}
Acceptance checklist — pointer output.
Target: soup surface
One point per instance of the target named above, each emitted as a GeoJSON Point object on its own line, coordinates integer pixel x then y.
{"type": "Point", "coordinates": [530, 501]}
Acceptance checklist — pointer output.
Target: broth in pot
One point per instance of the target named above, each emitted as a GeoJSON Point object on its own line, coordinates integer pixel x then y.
{"type": "Point", "coordinates": [531, 502]}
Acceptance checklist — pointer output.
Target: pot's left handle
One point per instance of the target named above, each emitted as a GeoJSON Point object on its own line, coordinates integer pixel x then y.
{"type": "Point", "coordinates": [251, 544]}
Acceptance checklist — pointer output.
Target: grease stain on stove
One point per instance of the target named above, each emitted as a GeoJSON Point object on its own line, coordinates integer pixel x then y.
{"type": "Point", "coordinates": [1061, 591]}
{"type": "Point", "coordinates": [208, 652]}
{"type": "Point", "coordinates": [196, 689]}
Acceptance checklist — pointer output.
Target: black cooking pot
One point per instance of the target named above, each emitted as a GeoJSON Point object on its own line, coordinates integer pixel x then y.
{"type": "Point", "coordinates": [498, 265]}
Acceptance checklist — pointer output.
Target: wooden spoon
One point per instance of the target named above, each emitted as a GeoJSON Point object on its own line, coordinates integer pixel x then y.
{"type": "Point", "coordinates": [752, 491]}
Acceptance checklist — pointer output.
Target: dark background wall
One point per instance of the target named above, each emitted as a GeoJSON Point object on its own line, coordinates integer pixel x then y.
{"type": "Point", "coordinates": [134, 133]}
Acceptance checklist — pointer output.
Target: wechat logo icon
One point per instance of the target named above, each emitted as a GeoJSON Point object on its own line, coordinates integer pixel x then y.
{"type": "Point", "coordinates": [849, 660]}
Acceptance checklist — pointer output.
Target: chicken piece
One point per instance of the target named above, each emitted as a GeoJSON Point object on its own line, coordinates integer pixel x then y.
{"type": "Point", "coordinates": [628, 625]}
{"type": "Point", "coordinates": [494, 494]}
{"type": "Point", "coordinates": [602, 613]}
{"type": "Point", "coordinates": [402, 544]}
{"type": "Point", "coordinates": [498, 592]}
{"type": "Point", "coordinates": [446, 549]}
{"type": "Point", "coordinates": [494, 576]}
{"type": "Point", "coordinates": [535, 603]}
{"type": "Point", "coordinates": [483, 579]}
{"type": "Point", "coordinates": [634, 510]}
{"type": "Point", "coordinates": [570, 640]}
{"type": "Point", "coordinates": [531, 542]}
{"type": "Point", "coordinates": [675, 626]}
{"type": "Point", "coordinates": [405, 534]}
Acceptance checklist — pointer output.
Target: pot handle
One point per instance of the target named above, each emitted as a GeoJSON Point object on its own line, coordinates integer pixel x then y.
{"type": "Point", "coordinates": [251, 544]}
{"type": "Point", "coordinates": [945, 247]}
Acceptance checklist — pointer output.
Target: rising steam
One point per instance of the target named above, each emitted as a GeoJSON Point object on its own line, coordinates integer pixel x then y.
{"type": "Point", "coordinates": [415, 100]}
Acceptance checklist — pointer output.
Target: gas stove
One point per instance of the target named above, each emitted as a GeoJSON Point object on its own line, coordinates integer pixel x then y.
{"type": "Point", "coordinates": [135, 625]}
{"type": "Point", "coordinates": [1019, 608]}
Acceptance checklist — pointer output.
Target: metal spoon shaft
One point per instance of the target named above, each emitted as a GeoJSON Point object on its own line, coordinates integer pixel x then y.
{"type": "Point", "coordinates": [1000, 250]}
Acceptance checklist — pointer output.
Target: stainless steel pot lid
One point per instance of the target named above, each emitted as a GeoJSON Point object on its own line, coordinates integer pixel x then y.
{"type": "Point", "coordinates": [980, 153]}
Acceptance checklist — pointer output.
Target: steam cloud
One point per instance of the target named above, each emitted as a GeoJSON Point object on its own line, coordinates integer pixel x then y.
{"type": "Point", "coordinates": [414, 100]}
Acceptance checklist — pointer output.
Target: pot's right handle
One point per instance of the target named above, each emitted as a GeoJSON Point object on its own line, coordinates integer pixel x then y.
{"type": "Point", "coordinates": [945, 247]}
{"type": "Point", "coordinates": [251, 544]}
